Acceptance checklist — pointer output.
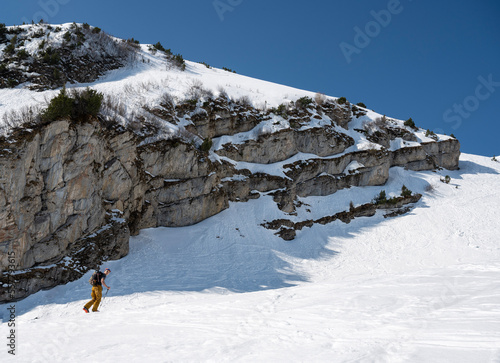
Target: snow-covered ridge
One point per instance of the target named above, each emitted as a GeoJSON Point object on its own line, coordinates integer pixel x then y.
{"type": "Point", "coordinates": [139, 77]}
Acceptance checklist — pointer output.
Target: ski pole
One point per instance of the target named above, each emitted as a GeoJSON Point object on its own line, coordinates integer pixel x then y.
{"type": "Point", "coordinates": [102, 303]}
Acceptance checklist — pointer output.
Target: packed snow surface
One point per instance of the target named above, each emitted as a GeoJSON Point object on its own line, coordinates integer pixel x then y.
{"type": "Point", "coordinates": [422, 287]}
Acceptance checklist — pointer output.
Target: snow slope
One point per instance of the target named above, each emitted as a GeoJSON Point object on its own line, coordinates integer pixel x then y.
{"type": "Point", "coordinates": [148, 77]}
{"type": "Point", "coordinates": [144, 81]}
{"type": "Point", "coordinates": [422, 287]}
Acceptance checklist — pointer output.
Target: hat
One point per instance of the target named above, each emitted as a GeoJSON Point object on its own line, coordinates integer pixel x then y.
{"type": "Point", "coordinates": [107, 269]}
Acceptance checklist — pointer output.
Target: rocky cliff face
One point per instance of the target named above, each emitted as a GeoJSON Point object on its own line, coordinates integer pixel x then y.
{"type": "Point", "coordinates": [71, 193]}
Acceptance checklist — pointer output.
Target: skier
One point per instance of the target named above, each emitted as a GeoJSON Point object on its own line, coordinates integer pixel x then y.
{"type": "Point", "coordinates": [97, 291]}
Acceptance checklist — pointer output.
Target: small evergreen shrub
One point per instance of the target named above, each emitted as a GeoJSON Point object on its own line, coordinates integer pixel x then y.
{"type": "Point", "coordinates": [56, 74]}
{"type": "Point", "coordinates": [303, 102]}
{"type": "Point", "coordinates": [79, 105]}
{"type": "Point", "coordinates": [228, 70]}
{"type": "Point", "coordinates": [96, 30]}
{"type": "Point", "coordinates": [341, 100]}
{"type": "Point", "coordinates": [3, 31]}
{"type": "Point", "coordinates": [294, 124]}
{"type": "Point", "coordinates": [358, 112]}
{"type": "Point", "coordinates": [405, 192]}
{"type": "Point", "coordinates": [67, 36]}
{"type": "Point", "coordinates": [393, 200]}
{"type": "Point", "coordinates": [133, 42]}
{"type": "Point", "coordinates": [361, 104]}
{"type": "Point", "coordinates": [431, 134]}
{"type": "Point", "coordinates": [80, 36]}
{"type": "Point", "coordinates": [160, 47]}
{"type": "Point", "coordinates": [282, 110]}
{"type": "Point", "coordinates": [17, 30]}
{"type": "Point", "coordinates": [410, 123]}
{"type": "Point", "coordinates": [50, 56]}
{"type": "Point", "coordinates": [446, 179]}
{"type": "Point", "coordinates": [179, 61]}
{"type": "Point", "coordinates": [11, 47]}
{"type": "Point", "coordinates": [22, 54]}
{"type": "Point", "coordinates": [206, 145]}
{"type": "Point", "coordinates": [59, 107]}
{"type": "Point", "coordinates": [381, 198]}
{"type": "Point", "coordinates": [86, 103]}
{"type": "Point", "coordinates": [493, 159]}
{"type": "Point", "coordinates": [38, 34]}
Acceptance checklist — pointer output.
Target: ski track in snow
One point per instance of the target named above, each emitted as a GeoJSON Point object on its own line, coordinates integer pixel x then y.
{"type": "Point", "coordinates": [421, 287]}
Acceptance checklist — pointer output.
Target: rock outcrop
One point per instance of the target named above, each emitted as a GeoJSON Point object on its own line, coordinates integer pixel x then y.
{"type": "Point", "coordinates": [273, 147]}
{"type": "Point", "coordinates": [71, 193]}
{"type": "Point", "coordinates": [75, 54]}
{"type": "Point", "coordinates": [287, 229]}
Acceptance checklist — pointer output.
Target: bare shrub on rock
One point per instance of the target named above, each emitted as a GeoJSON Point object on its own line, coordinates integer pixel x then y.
{"type": "Point", "coordinates": [196, 91]}
{"type": "Point", "coordinates": [319, 98]}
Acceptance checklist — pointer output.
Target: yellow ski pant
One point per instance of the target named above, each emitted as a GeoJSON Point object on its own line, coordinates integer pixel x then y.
{"type": "Point", "coordinates": [96, 298]}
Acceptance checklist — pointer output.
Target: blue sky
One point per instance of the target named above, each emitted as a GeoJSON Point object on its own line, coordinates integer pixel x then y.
{"type": "Point", "coordinates": [435, 61]}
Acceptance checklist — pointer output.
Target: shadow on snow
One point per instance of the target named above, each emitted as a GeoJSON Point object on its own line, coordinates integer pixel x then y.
{"type": "Point", "coordinates": [227, 252]}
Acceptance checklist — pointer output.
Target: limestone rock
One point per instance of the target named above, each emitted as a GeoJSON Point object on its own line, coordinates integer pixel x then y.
{"type": "Point", "coordinates": [279, 146]}
{"type": "Point", "coordinates": [76, 191]}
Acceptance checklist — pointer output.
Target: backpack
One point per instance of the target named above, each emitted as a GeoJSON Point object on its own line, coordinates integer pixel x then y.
{"type": "Point", "coordinates": [95, 279]}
